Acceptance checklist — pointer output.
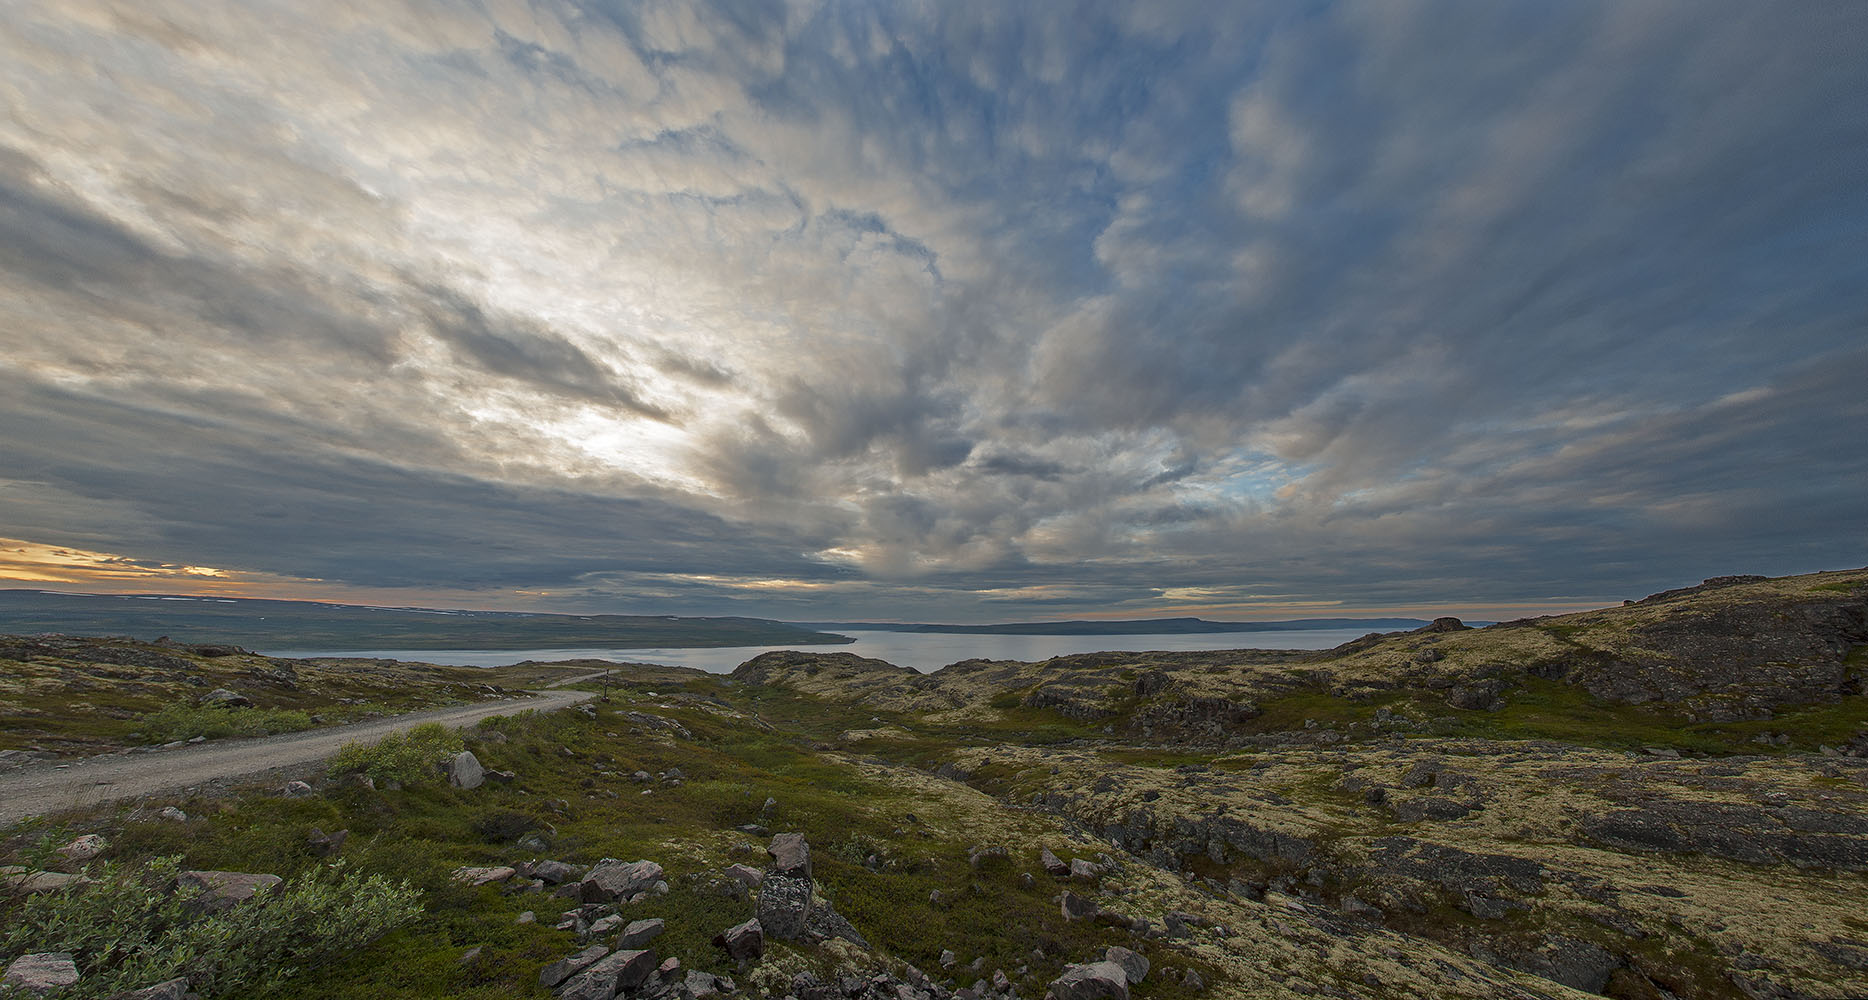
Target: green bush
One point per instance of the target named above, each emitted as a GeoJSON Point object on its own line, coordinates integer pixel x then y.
{"type": "Point", "coordinates": [405, 757]}
{"type": "Point", "coordinates": [133, 928]}
{"type": "Point", "coordinates": [185, 722]}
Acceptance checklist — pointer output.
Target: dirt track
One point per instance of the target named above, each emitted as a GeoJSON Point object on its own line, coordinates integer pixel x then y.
{"type": "Point", "coordinates": [44, 788]}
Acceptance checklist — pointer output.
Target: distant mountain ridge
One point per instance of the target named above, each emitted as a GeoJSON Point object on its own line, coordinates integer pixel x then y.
{"type": "Point", "coordinates": [272, 624]}
{"type": "Point", "coordinates": [1138, 626]}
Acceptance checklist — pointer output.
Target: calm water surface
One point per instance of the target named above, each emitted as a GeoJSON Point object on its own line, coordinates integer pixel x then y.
{"type": "Point", "coordinates": [924, 651]}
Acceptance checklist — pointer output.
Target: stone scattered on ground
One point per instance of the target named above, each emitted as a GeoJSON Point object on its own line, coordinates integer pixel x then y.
{"type": "Point", "coordinates": [464, 771]}
{"type": "Point", "coordinates": [1090, 981]}
{"type": "Point", "coordinates": [638, 934]}
{"type": "Point", "coordinates": [173, 989]}
{"type": "Point", "coordinates": [483, 876]}
{"type": "Point", "coordinates": [41, 972]}
{"type": "Point", "coordinates": [173, 814]}
{"type": "Point", "coordinates": [1134, 965]}
{"type": "Point", "coordinates": [743, 942]}
{"type": "Point", "coordinates": [225, 890]}
{"type": "Point", "coordinates": [791, 855]}
{"type": "Point", "coordinates": [610, 880]}
{"type": "Point", "coordinates": [84, 848]}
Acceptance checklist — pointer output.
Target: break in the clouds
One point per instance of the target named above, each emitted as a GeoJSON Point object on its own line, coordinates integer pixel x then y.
{"type": "Point", "coordinates": [955, 310]}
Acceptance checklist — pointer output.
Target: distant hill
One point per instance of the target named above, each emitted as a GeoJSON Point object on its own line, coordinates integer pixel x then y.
{"type": "Point", "coordinates": [1140, 626]}
{"type": "Point", "coordinates": [271, 625]}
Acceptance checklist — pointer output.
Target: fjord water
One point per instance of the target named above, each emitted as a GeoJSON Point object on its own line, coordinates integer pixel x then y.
{"type": "Point", "coordinates": [924, 651]}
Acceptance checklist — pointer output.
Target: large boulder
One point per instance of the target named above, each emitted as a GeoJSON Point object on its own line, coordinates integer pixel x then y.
{"type": "Point", "coordinates": [791, 855]}
{"type": "Point", "coordinates": [225, 890]}
{"type": "Point", "coordinates": [464, 771]}
{"type": "Point", "coordinates": [611, 880]}
{"type": "Point", "coordinates": [784, 906]}
{"type": "Point", "coordinates": [41, 972]}
{"type": "Point", "coordinates": [1090, 981]}
{"type": "Point", "coordinates": [1134, 966]}
{"type": "Point", "coordinates": [618, 972]}
{"type": "Point", "coordinates": [564, 968]}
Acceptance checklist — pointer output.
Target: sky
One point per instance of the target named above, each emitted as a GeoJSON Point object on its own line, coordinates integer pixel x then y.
{"type": "Point", "coordinates": [944, 311]}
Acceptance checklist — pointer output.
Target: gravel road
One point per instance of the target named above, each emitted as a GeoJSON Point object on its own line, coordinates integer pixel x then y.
{"type": "Point", "coordinates": [43, 788]}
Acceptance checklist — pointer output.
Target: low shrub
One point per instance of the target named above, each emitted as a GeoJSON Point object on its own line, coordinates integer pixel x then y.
{"type": "Point", "coordinates": [132, 927]}
{"type": "Point", "coordinates": [185, 722]}
{"type": "Point", "coordinates": [408, 757]}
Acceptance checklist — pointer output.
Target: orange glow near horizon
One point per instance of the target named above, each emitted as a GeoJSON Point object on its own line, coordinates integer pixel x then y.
{"type": "Point", "coordinates": [85, 570]}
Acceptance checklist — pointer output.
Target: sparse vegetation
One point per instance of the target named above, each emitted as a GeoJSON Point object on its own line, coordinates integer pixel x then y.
{"type": "Point", "coordinates": [409, 757]}
{"type": "Point", "coordinates": [184, 721]}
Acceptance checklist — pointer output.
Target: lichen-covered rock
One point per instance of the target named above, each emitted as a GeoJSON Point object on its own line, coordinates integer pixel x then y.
{"type": "Point", "coordinates": [84, 848]}
{"type": "Point", "coordinates": [784, 906]}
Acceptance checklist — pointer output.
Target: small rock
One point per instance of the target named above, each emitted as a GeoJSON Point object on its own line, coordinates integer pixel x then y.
{"type": "Point", "coordinates": [326, 844]}
{"type": "Point", "coordinates": [948, 958]}
{"type": "Point", "coordinates": [41, 972]}
{"type": "Point", "coordinates": [1193, 982]}
{"type": "Point", "coordinates": [1081, 869]}
{"type": "Point", "coordinates": [483, 876]}
{"type": "Point", "coordinates": [464, 771]}
{"type": "Point", "coordinates": [745, 875]}
{"type": "Point", "coordinates": [984, 855]}
{"type": "Point", "coordinates": [84, 848]}
{"type": "Point", "coordinates": [604, 925]}
{"type": "Point", "coordinates": [174, 989]}
{"type": "Point", "coordinates": [1090, 981]}
{"type": "Point", "coordinates": [1052, 863]}
{"type": "Point", "coordinates": [174, 814]}
{"type": "Point", "coordinates": [1077, 907]}
{"type": "Point", "coordinates": [223, 698]}
{"type": "Point", "coordinates": [470, 956]}
{"type": "Point", "coordinates": [225, 890]}
{"type": "Point", "coordinates": [13, 878]}
{"type": "Point", "coordinates": [503, 777]}
{"type": "Point", "coordinates": [668, 968]}
{"type": "Point", "coordinates": [1134, 965]}
{"type": "Point", "coordinates": [528, 917]}
{"type": "Point", "coordinates": [638, 933]}
{"type": "Point", "coordinates": [743, 942]}
{"type": "Point", "coordinates": [700, 984]}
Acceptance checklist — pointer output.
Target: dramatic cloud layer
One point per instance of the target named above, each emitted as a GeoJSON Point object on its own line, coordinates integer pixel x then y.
{"type": "Point", "coordinates": [953, 310]}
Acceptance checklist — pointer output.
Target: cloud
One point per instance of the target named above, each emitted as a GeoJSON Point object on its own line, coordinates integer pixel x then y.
{"type": "Point", "coordinates": [938, 311]}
